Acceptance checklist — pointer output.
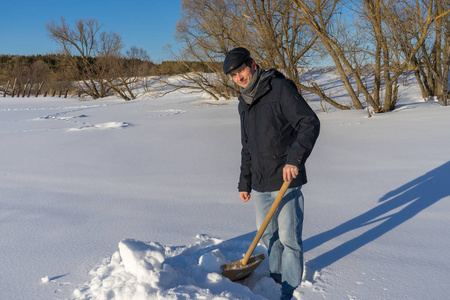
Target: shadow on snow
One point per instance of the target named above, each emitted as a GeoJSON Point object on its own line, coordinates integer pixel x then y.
{"type": "Point", "coordinates": [416, 196]}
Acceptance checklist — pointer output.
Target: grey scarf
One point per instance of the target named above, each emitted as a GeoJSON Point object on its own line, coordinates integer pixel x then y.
{"type": "Point", "coordinates": [249, 92]}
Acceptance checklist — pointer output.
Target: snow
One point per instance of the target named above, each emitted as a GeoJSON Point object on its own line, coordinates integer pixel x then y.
{"type": "Point", "coordinates": [109, 199]}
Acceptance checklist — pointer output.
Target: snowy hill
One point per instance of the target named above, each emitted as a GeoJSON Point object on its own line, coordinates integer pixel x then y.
{"type": "Point", "coordinates": [109, 199]}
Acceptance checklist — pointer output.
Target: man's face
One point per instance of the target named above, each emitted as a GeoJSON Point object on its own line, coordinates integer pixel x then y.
{"type": "Point", "coordinates": [243, 74]}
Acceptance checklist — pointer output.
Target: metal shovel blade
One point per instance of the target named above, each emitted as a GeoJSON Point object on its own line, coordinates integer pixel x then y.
{"type": "Point", "coordinates": [237, 271]}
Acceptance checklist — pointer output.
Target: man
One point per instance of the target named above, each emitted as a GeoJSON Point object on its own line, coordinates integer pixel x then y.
{"type": "Point", "coordinates": [278, 133]}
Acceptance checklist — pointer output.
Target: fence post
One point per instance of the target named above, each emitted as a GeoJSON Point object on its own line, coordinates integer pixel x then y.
{"type": "Point", "coordinates": [7, 86]}
{"type": "Point", "coordinates": [25, 88]}
{"type": "Point", "coordinates": [14, 87]}
{"type": "Point", "coordinates": [29, 91]}
{"type": "Point", "coordinates": [39, 88]}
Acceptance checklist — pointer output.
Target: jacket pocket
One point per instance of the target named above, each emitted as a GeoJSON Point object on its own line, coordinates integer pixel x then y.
{"type": "Point", "coordinates": [273, 161]}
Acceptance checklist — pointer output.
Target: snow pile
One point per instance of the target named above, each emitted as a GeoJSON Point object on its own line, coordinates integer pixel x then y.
{"type": "Point", "coordinates": [152, 271]}
{"type": "Point", "coordinates": [102, 126]}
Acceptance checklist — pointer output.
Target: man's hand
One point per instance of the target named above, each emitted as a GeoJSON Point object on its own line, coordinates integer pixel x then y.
{"type": "Point", "coordinates": [245, 196]}
{"type": "Point", "coordinates": [289, 172]}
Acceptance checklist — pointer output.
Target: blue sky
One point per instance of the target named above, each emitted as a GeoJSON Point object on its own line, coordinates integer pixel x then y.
{"type": "Point", "coordinates": [146, 24]}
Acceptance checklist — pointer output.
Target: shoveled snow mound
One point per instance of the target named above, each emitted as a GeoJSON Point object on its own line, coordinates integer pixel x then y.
{"type": "Point", "coordinates": [150, 270]}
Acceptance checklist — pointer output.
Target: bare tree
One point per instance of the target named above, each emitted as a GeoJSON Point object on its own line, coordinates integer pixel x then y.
{"type": "Point", "coordinates": [385, 24]}
{"type": "Point", "coordinates": [271, 29]}
{"type": "Point", "coordinates": [431, 61]}
{"type": "Point", "coordinates": [113, 65]}
{"type": "Point", "coordinates": [407, 27]}
{"type": "Point", "coordinates": [94, 56]}
{"type": "Point", "coordinates": [80, 48]}
{"type": "Point", "coordinates": [322, 17]}
{"type": "Point", "coordinates": [21, 73]}
{"type": "Point", "coordinates": [203, 29]}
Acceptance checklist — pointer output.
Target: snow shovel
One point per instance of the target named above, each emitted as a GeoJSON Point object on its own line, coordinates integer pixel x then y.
{"type": "Point", "coordinates": [241, 269]}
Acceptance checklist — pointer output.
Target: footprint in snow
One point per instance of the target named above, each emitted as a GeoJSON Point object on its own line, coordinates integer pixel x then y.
{"type": "Point", "coordinates": [102, 126]}
{"type": "Point", "coordinates": [166, 112]}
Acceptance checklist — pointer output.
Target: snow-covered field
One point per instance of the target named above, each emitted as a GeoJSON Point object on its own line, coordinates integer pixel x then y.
{"type": "Point", "coordinates": [109, 199]}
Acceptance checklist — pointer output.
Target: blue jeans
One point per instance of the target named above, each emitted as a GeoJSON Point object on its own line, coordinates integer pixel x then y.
{"type": "Point", "coordinates": [283, 236]}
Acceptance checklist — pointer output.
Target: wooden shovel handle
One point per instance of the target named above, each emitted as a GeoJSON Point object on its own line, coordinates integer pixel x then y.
{"type": "Point", "coordinates": [266, 221]}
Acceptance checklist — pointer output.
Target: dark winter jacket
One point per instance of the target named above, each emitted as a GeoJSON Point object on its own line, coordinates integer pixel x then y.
{"type": "Point", "coordinates": [278, 128]}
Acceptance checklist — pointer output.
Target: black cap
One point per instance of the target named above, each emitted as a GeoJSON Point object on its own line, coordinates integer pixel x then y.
{"type": "Point", "coordinates": [235, 58]}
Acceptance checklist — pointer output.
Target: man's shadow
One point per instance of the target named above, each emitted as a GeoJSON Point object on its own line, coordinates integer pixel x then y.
{"type": "Point", "coordinates": [415, 196]}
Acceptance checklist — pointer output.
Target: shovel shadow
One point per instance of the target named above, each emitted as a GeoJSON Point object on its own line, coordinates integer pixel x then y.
{"type": "Point", "coordinates": [415, 196]}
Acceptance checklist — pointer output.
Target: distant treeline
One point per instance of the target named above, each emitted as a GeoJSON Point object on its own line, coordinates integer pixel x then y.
{"type": "Point", "coordinates": [52, 70]}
